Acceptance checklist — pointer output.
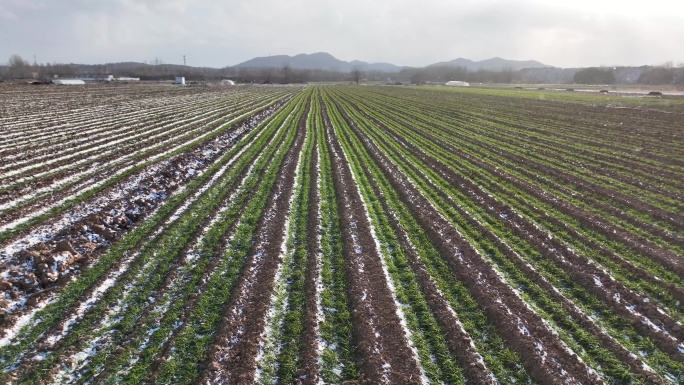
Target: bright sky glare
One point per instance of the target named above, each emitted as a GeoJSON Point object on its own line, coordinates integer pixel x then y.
{"type": "Point", "coordinates": [415, 33]}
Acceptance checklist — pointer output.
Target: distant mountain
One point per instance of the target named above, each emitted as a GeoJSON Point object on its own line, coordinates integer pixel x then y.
{"type": "Point", "coordinates": [319, 60]}
{"type": "Point", "coordinates": [326, 61]}
{"type": "Point", "coordinates": [493, 64]}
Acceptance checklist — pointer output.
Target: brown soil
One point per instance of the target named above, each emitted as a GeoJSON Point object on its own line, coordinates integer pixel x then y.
{"type": "Point", "coordinates": [309, 344]}
{"type": "Point", "coordinates": [496, 297]}
{"type": "Point", "coordinates": [93, 235]}
{"type": "Point", "coordinates": [577, 266]}
{"type": "Point", "coordinates": [376, 328]}
{"type": "Point", "coordinates": [244, 319]}
{"type": "Point", "coordinates": [457, 338]}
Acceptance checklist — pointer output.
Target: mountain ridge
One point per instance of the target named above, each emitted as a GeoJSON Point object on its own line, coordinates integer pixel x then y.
{"type": "Point", "coordinates": [317, 60]}
{"type": "Point", "coordinates": [326, 61]}
{"type": "Point", "coordinates": [494, 64]}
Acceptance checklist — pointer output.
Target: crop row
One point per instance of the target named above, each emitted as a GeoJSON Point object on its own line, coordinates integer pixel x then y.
{"type": "Point", "coordinates": [363, 234]}
{"type": "Point", "coordinates": [129, 295]}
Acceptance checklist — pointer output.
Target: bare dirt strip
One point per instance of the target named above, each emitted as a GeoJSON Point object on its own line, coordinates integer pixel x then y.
{"type": "Point", "coordinates": [592, 277]}
{"type": "Point", "coordinates": [308, 374]}
{"type": "Point", "coordinates": [232, 356]}
{"type": "Point", "coordinates": [636, 364]}
{"type": "Point", "coordinates": [545, 357]}
{"type": "Point", "coordinates": [385, 357]}
{"type": "Point", "coordinates": [71, 249]}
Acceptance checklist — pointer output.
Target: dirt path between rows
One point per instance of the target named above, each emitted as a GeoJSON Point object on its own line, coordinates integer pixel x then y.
{"type": "Point", "coordinates": [232, 358]}
{"type": "Point", "coordinates": [544, 356]}
{"type": "Point", "coordinates": [309, 338]}
{"type": "Point", "coordinates": [385, 357]}
{"type": "Point", "coordinates": [38, 270]}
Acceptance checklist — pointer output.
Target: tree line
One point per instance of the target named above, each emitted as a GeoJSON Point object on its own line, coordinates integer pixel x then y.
{"type": "Point", "coordinates": [19, 68]}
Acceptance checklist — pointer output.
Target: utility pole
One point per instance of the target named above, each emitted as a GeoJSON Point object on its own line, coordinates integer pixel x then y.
{"type": "Point", "coordinates": [184, 65]}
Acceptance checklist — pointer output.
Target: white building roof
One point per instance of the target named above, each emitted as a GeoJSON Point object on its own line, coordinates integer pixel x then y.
{"type": "Point", "coordinates": [457, 83]}
{"type": "Point", "coordinates": [68, 81]}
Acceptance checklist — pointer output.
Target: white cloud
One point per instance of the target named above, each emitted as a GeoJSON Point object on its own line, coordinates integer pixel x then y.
{"type": "Point", "coordinates": [576, 33]}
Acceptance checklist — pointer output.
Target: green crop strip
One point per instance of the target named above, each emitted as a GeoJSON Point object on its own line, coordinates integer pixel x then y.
{"type": "Point", "coordinates": [281, 350]}
{"type": "Point", "coordinates": [451, 131]}
{"type": "Point", "coordinates": [215, 108]}
{"type": "Point", "coordinates": [192, 274]}
{"type": "Point", "coordinates": [464, 111]}
{"type": "Point", "coordinates": [428, 338]}
{"type": "Point", "coordinates": [537, 295]}
{"type": "Point", "coordinates": [552, 121]}
{"type": "Point", "coordinates": [337, 356]}
{"type": "Point", "coordinates": [177, 128]}
{"type": "Point", "coordinates": [192, 343]}
{"type": "Point", "coordinates": [561, 96]}
{"type": "Point", "coordinates": [110, 182]}
{"type": "Point", "coordinates": [504, 363]}
{"type": "Point", "coordinates": [45, 318]}
{"type": "Point", "coordinates": [556, 196]}
{"type": "Point", "coordinates": [451, 161]}
{"type": "Point", "coordinates": [160, 253]}
{"type": "Point", "coordinates": [518, 126]}
{"type": "Point", "coordinates": [668, 363]}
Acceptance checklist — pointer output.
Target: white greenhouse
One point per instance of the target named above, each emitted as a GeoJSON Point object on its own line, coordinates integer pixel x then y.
{"type": "Point", "coordinates": [457, 83]}
{"type": "Point", "coordinates": [70, 82]}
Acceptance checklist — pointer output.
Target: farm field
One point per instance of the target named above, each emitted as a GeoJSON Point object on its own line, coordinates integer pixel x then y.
{"type": "Point", "coordinates": [323, 234]}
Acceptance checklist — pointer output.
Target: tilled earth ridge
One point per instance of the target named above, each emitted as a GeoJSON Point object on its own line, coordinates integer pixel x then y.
{"type": "Point", "coordinates": [45, 266]}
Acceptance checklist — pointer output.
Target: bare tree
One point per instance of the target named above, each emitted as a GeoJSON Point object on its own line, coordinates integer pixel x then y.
{"type": "Point", "coordinates": [267, 75]}
{"type": "Point", "coordinates": [18, 67]}
{"type": "Point", "coordinates": [356, 74]}
{"type": "Point", "coordinates": [287, 74]}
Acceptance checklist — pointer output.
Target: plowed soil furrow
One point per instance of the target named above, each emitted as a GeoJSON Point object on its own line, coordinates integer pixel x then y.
{"type": "Point", "coordinates": [232, 357]}
{"type": "Point", "coordinates": [79, 235]}
{"type": "Point", "coordinates": [531, 338]}
{"type": "Point", "coordinates": [581, 270]}
{"type": "Point", "coordinates": [107, 340]}
{"type": "Point", "coordinates": [586, 218]}
{"type": "Point", "coordinates": [310, 331]}
{"type": "Point", "coordinates": [667, 342]}
{"type": "Point", "coordinates": [385, 355]}
{"type": "Point", "coordinates": [459, 341]}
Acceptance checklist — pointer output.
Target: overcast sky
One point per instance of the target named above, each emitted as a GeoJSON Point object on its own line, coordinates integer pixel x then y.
{"type": "Point", "coordinates": [217, 33]}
